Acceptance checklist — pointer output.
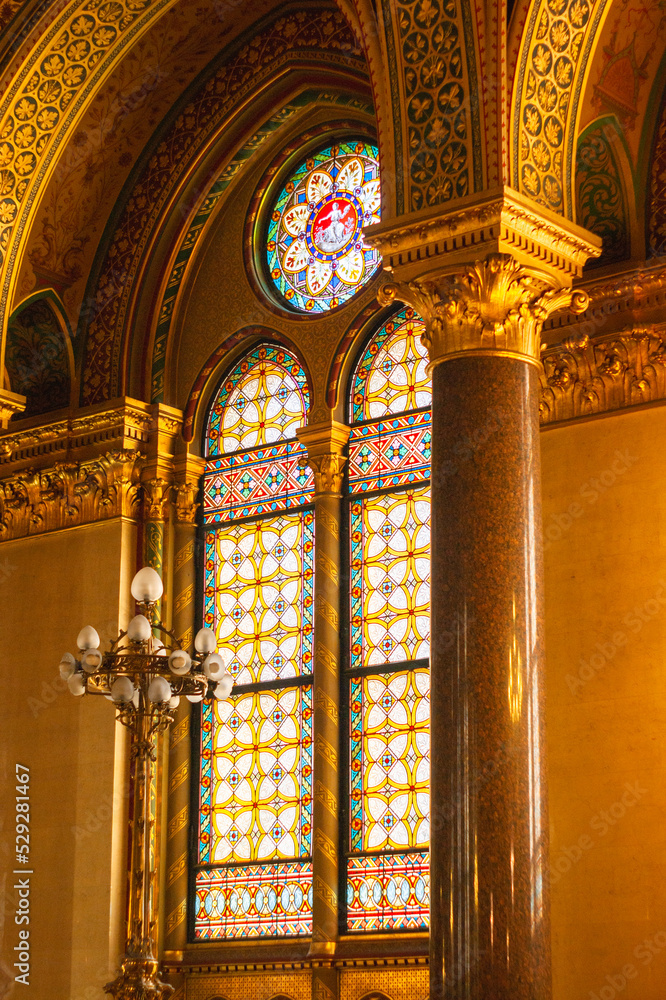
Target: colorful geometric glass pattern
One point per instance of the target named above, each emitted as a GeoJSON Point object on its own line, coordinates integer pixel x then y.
{"type": "Point", "coordinates": [388, 480]}
{"type": "Point", "coordinates": [253, 900]}
{"type": "Point", "coordinates": [390, 578]}
{"type": "Point", "coordinates": [388, 892]}
{"type": "Point", "coordinates": [317, 256]}
{"type": "Point", "coordinates": [258, 596]}
{"type": "Point", "coordinates": [254, 870]}
{"type": "Point", "coordinates": [391, 452]}
{"type": "Point", "coordinates": [259, 481]}
{"type": "Point", "coordinates": [256, 777]}
{"type": "Point", "coordinates": [263, 400]}
{"type": "Point", "coordinates": [391, 376]}
{"type": "Point", "coordinates": [390, 741]}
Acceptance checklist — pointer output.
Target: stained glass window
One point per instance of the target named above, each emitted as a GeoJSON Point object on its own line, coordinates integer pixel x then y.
{"type": "Point", "coordinates": [317, 256]}
{"type": "Point", "coordinates": [254, 870]}
{"type": "Point", "coordinates": [388, 677]}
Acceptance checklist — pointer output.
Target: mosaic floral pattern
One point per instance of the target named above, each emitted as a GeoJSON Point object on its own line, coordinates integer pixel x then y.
{"type": "Point", "coordinates": [258, 596]}
{"type": "Point", "coordinates": [391, 376]}
{"type": "Point", "coordinates": [390, 770]}
{"type": "Point", "coordinates": [390, 578]}
{"type": "Point", "coordinates": [316, 253]}
{"type": "Point", "coordinates": [36, 359]}
{"type": "Point", "coordinates": [551, 64]}
{"type": "Point", "coordinates": [252, 900]}
{"type": "Point", "coordinates": [264, 399]}
{"type": "Point", "coordinates": [656, 221]}
{"type": "Point", "coordinates": [389, 461]}
{"type": "Point", "coordinates": [256, 748]}
{"type": "Point", "coordinates": [600, 201]}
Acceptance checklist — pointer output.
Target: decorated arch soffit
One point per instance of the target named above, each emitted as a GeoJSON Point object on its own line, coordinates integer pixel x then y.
{"type": "Point", "coordinates": [425, 59]}
{"type": "Point", "coordinates": [62, 57]}
{"type": "Point", "coordinates": [171, 176]}
{"type": "Point", "coordinates": [604, 185]}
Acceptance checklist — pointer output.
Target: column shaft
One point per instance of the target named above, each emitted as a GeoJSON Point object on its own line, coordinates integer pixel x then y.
{"type": "Point", "coordinates": [490, 933]}
{"type": "Point", "coordinates": [326, 728]}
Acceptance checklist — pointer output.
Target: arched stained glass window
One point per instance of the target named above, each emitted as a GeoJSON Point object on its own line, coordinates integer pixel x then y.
{"type": "Point", "coordinates": [316, 253]}
{"type": "Point", "coordinates": [254, 868]}
{"type": "Point", "coordinates": [388, 677]}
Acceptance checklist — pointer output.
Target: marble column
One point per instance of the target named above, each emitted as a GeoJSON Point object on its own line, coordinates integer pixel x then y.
{"type": "Point", "coordinates": [325, 443]}
{"type": "Point", "coordinates": [489, 924]}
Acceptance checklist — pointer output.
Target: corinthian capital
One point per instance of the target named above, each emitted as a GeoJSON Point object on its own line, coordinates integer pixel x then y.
{"type": "Point", "coordinates": [495, 306]}
{"type": "Point", "coordinates": [325, 443]}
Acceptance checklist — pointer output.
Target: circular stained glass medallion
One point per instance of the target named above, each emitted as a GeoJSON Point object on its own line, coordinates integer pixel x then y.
{"type": "Point", "coordinates": [316, 253]}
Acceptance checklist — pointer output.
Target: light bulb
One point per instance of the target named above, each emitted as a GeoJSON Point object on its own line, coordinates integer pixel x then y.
{"type": "Point", "coordinates": [122, 690]}
{"type": "Point", "coordinates": [91, 660]}
{"type": "Point", "coordinates": [195, 698]}
{"type": "Point", "coordinates": [67, 666]}
{"type": "Point", "coordinates": [174, 701]}
{"type": "Point", "coordinates": [135, 698]}
{"type": "Point", "coordinates": [223, 687]}
{"type": "Point", "coordinates": [179, 662]}
{"type": "Point", "coordinates": [139, 629]}
{"type": "Point", "coordinates": [205, 641]}
{"type": "Point", "coordinates": [147, 586]}
{"type": "Point", "coordinates": [213, 666]}
{"type": "Point", "coordinates": [87, 638]}
{"type": "Point", "coordinates": [159, 690]}
{"type": "Point", "coordinates": [76, 685]}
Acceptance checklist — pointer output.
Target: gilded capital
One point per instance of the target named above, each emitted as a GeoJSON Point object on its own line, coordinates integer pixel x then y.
{"type": "Point", "coordinates": [495, 306]}
{"type": "Point", "coordinates": [185, 502]}
{"type": "Point", "coordinates": [325, 444]}
{"type": "Point", "coordinates": [156, 499]}
{"type": "Point", "coordinates": [11, 404]}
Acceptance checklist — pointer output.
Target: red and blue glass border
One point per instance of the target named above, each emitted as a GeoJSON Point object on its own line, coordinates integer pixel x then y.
{"type": "Point", "coordinates": [254, 900]}
{"type": "Point", "coordinates": [262, 480]}
{"type": "Point", "coordinates": [393, 451]}
{"type": "Point", "coordinates": [388, 892]}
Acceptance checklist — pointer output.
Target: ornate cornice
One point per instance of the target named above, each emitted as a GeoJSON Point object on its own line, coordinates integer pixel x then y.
{"type": "Point", "coordinates": [70, 493]}
{"type": "Point", "coordinates": [502, 221]}
{"type": "Point", "coordinates": [495, 306]}
{"type": "Point", "coordinates": [582, 377]}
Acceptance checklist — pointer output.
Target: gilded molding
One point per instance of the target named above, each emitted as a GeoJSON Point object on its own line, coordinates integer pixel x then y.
{"type": "Point", "coordinates": [495, 306]}
{"type": "Point", "coordinates": [583, 377]}
{"type": "Point", "coordinates": [11, 404]}
{"type": "Point", "coordinates": [501, 221]}
{"type": "Point", "coordinates": [70, 493]}
{"type": "Point", "coordinates": [325, 443]}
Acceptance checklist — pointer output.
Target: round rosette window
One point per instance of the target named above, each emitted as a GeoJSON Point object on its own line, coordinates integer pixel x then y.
{"type": "Point", "coordinates": [316, 253]}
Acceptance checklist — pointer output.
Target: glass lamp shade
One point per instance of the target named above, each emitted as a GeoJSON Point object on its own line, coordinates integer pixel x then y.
{"type": "Point", "coordinates": [139, 629]}
{"type": "Point", "coordinates": [195, 698]}
{"type": "Point", "coordinates": [91, 660]}
{"type": "Point", "coordinates": [174, 701]}
{"type": "Point", "coordinates": [147, 586]}
{"type": "Point", "coordinates": [205, 641]}
{"type": "Point", "coordinates": [213, 666]}
{"type": "Point", "coordinates": [159, 690]}
{"type": "Point", "coordinates": [223, 687]}
{"type": "Point", "coordinates": [122, 690]}
{"type": "Point", "coordinates": [67, 666]}
{"type": "Point", "coordinates": [87, 638]}
{"type": "Point", "coordinates": [77, 685]}
{"type": "Point", "coordinates": [179, 662]}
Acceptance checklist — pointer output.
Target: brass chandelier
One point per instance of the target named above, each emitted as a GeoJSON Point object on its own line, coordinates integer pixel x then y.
{"type": "Point", "coordinates": [145, 673]}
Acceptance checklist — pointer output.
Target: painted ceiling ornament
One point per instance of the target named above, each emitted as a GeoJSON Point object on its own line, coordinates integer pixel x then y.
{"type": "Point", "coordinates": [317, 256]}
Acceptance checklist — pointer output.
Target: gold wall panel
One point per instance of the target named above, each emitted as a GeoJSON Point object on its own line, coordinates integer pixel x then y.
{"type": "Point", "coordinates": [249, 986]}
{"type": "Point", "coordinates": [604, 510]}
{"type": "Point", "coordinates": [398, 984]}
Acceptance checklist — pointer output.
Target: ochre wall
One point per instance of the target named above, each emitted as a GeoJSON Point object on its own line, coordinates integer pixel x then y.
{"type": "Point", "coordinates": [604, 491]}
{"type": "Point", "coordinates": [50, 586]}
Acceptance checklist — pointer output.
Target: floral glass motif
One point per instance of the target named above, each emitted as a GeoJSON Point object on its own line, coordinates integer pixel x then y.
{"type": "Point", "coordinates": [389, 528]}
{"type": "Point", "coordinates": [254, 870]}
{"type": "Point", "coordinates": [263, 400]}
{"type": "Point", "coordinates": [317, 256]}
{"type": "Point", "coordinates": [258, 596]}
